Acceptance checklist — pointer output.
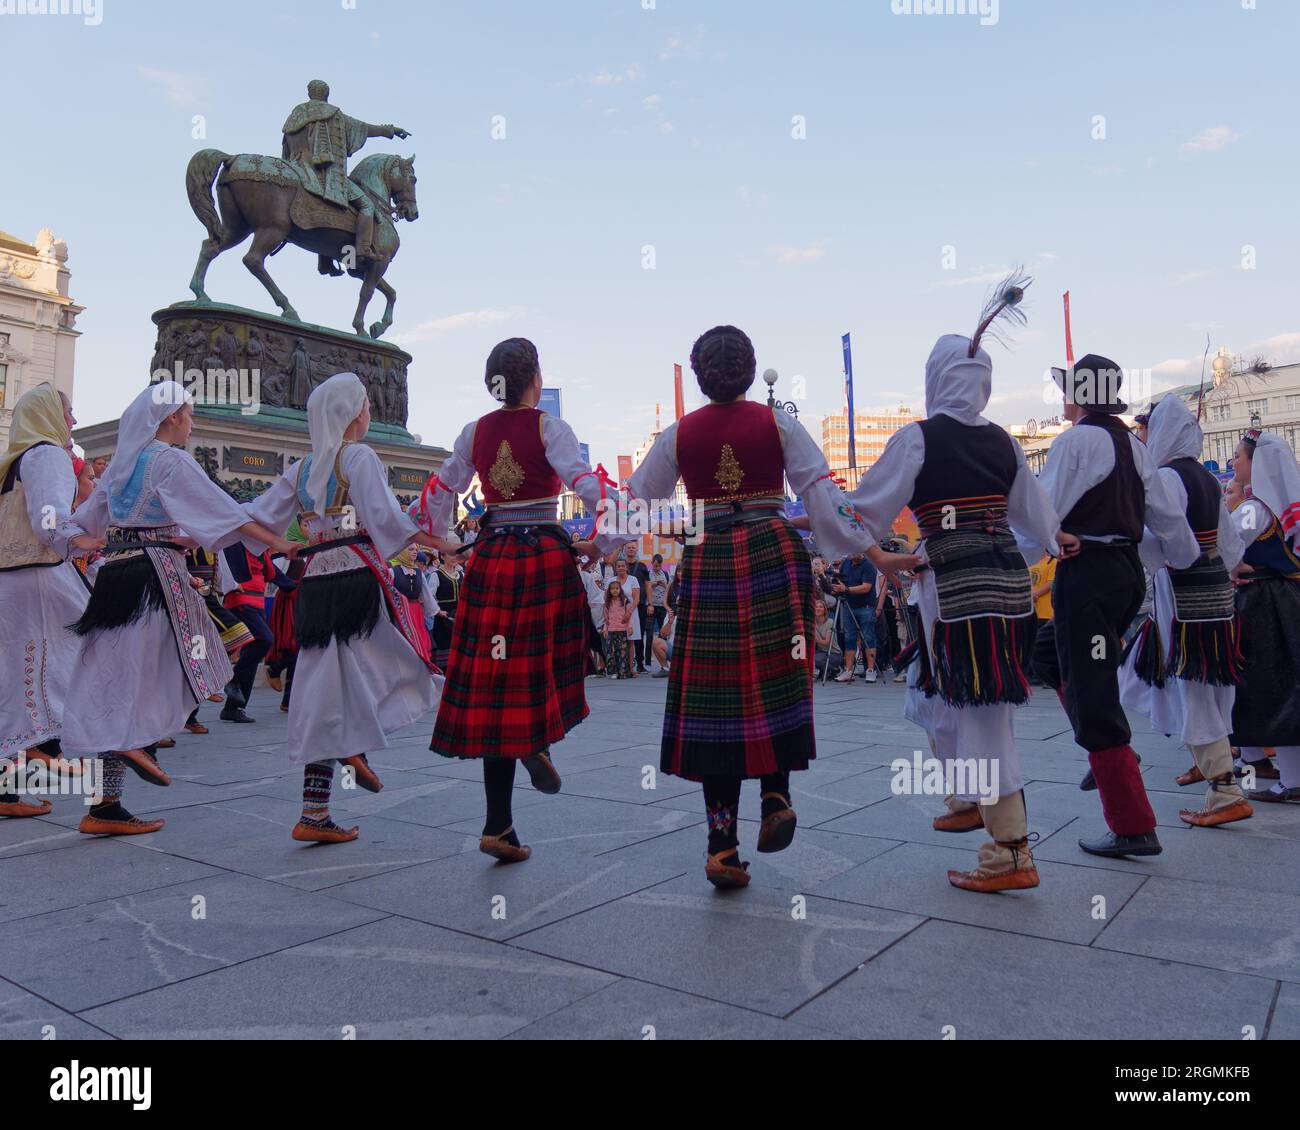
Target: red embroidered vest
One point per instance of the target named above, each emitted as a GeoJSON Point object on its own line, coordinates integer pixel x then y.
{"type": "Point", "coordinates": [510, 457]}
{"type": "Point", "coordinates": [730, 451]}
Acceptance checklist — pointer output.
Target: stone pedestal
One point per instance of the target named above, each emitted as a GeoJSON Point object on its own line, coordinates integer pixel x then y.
{"type": "Point", "coordinates": [241, 355]}
{"type": "Point", "coordinates": [252, 374]}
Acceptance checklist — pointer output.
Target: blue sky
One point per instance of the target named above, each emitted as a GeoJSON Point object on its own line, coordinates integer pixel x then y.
{"type": "Point", "coordinates": [672, 127]}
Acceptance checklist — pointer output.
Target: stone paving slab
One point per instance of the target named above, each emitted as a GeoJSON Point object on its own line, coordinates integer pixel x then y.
{"type": "Point", "coordinates": [25, 1016]}
{"type": "Point", "coordinates": [393, 979]}
{"type": "Point", "coordinates": [477, 895]}
{"type": "Point", "coordinates": [989, 984]}
{"type": "Point", "coordinates": [631, 1010]}
{"type": "Point", "coordinates": [914, 878]}
{"type": "Point", "coordinates": [252, 836]}
{"type": "Point", "coordinates": [1211, 924]}
{"type": "Point", "coordinates": [746, 948]}
{"type": "Point", "coordinates": [87, 872]}
{"type": "Point", "coordinates": [610, 929]}
{"type": "Point", "coordinates": [142, 941]}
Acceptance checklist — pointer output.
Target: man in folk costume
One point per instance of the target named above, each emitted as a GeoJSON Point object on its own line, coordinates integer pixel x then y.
{"type": "Point", "coordinates": [248, 574]}
{"type": "Point", "coordinates": [982, 515]}
{"type": "Point", "coordinates": [359, 677]}
{"type": "Point", "coordinates": [1103, 482]}
{"type": "Point", "coordinates": [740, 685]}
{"type": "Point", "coordinates": [518, 659]}
{"type": "Point", "coordinates": [41, 590]}
{"type": "Point", "coordinates": [1182, 667]}
{"type": "Point", "coordinates": [318, 140]}
{"type": "Point", "coordinates": [1267, 709]}
{"type": "Point", "coordinates": [202, 566]}
{"type": "Point", "coordinates": [149, 650]}
{"type": "Point", "coordinates": [283, 655]}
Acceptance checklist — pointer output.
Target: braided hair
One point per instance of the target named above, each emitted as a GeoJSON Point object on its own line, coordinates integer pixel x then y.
{"type": "Point", "coordinates": [511, 367]}
{"type": "Point", "coordinates": [723, 363]}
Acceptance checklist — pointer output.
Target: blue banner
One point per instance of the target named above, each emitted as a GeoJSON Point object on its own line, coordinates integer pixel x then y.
{"type": "Point", "coordinates": [848, 399]}
{"type": "Point", "coordinates": [550, 402]}
{"type": "Point", "coordinates": [586, 453]}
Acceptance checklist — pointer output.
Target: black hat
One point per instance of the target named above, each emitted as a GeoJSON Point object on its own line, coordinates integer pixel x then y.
{"type": "Point", "coordinates": [1093, 383]}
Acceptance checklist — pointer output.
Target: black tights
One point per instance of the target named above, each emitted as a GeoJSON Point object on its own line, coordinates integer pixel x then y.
{"type": "Point", "coordinates": [722, 804]}
{"type": "Point", "coordinates": [498, 784]}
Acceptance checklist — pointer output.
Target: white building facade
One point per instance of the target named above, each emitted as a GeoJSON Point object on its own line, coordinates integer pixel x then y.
{"type": "Point", "coordinates": [37, 320]}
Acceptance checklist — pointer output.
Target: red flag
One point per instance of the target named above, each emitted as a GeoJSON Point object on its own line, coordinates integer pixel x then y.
{"type": "Point", "coordinates": [1069, 343]}
{"type": "Point", "coordinates": [677, 389]}
{"type": "Point", "coordinates": [624, 468]}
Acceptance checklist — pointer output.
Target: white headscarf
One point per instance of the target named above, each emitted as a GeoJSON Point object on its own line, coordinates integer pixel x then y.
{"type": "Point", "coordinates": [331, 407]}
{"type": "Point", "coordinates": [1275, 481]}
{"type": "Point", "coordinates": [138, 428]}
{"type": "Point", "coordinates": [1172, 432]}
{"type": "Point", "coordinates": [956, 384]}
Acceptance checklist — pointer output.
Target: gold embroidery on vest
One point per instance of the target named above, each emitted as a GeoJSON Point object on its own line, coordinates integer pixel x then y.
{"type": "Point", "coordinates": [506, 475]}
{"type": "Point", "coordinates": [729, 473]}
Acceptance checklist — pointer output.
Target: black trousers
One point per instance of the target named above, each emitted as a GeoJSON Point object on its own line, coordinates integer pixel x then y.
{"type": "Point", "coordinates": [1095, 597]}
{"type": "Point", "coordinates": [251, 654]}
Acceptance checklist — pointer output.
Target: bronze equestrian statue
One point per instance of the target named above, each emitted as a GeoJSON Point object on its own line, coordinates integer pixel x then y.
{"type": "Point", "coordinates": [308, 198]}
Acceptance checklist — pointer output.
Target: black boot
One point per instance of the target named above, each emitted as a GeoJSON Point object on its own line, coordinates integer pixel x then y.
{"type": "Point", "coordinates": [1116, 847]}
{"type": "Point", "coordinates": [232, 713]}
{"type": "Point", "coordinates": [235, 696]}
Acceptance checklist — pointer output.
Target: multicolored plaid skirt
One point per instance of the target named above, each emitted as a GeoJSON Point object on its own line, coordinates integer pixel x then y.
{"type": "Point", "coordinates": [518, 648]}
{"type": "Point", "coordinates": [741, 683]}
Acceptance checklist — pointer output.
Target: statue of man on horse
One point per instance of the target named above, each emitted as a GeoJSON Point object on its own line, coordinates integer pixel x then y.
{"type": "Point", "coordinates": [318, 140]}
{"type": "Point", "coordinates": [308, 198]}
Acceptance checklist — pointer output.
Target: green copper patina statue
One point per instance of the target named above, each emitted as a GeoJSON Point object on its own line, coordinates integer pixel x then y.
{"type": "Point", "coordinates": [308, 198]}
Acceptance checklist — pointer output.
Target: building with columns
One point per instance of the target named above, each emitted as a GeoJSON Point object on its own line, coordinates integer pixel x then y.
{"type": "Point", "coordinates": [1245, 395]}
{"type": "Point", "coordinates": [38, 337]}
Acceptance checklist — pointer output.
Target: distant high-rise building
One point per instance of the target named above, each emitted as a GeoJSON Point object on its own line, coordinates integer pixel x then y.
{"type": "Point", "coordinates": [871, 432]}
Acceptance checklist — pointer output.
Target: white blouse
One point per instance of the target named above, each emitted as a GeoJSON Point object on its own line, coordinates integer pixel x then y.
{"type": "Point", "coordinates": [49, 487]}
{"type": "Point", "coordinates": [829, 513]}
{"type": "Point", "coordinates": [1231, 545]}
{"type": "Point", "coordinates": [375, 507]}
{"type": "Point", "coordinates": [191, 500]}
{"type": "Point", "coordinates": [562, 453]}
{"type": "Point", "coordinates": [890, 482]}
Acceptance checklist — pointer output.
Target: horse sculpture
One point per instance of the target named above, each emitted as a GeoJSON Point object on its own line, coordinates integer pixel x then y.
{"type": "Point", "coordinates": [264, 196]}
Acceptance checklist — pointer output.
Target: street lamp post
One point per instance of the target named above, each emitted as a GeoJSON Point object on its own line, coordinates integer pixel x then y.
{"type": "Point", "coordinates": [770, 376]}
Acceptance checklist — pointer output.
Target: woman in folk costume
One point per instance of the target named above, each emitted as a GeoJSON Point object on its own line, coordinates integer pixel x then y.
{"type": "Point", "coordinates": [1182, 666]}
{"type": "Point", "coordinates": [982, 515]}
{"type": "Point", "coordinates": [446, 581]}
{"type": "Point", "coordinates": [359, 675]}
{"type": "Point", "coordinates": [1267, 710]}
{"type": "Point", "coordinates": [515, 677]}
{"type": "Point", "coordinates": [149, 649]}
{"type": "Point", "coordinates": [41, 590]}
{"type": "Point", "coordinates": [409, 581]}
{"type": "Point", "coordinates": [740, 685]}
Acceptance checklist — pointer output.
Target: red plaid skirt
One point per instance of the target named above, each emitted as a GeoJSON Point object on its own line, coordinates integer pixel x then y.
{"type": "Point", "coordinates": [518, 650]}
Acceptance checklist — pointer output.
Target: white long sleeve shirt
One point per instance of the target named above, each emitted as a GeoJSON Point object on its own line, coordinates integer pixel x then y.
{"type": "Point", "coordinates": [891, 481]}
{"type": "Point", "coordinates": [1080, 458]}
{"type": "Point", "coordinates": [806, 471]}
{"type": "Point", "coordinates": [562, 453]}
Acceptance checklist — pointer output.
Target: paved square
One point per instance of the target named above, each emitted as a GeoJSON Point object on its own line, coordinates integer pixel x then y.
{"type": "Point", "coordinates": [221, 926]}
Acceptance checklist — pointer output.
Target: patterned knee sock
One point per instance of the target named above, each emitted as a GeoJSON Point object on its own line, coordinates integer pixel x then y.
{"type": "Point", "coordinates": [721, 801]}
{"type": "Point", "coordinates": [776, 783]}
{"type": "Point", "coordinates": [108, 805]}
{"type": "Point", "coordinates": [316, 781]}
